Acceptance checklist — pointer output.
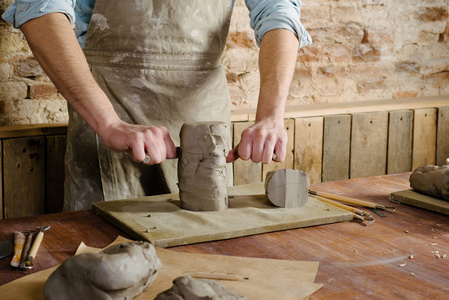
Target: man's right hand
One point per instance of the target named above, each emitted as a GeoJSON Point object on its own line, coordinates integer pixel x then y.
{"type": "Point", "coordinates": [53, 42]}
{"type": "Point", "coordinates": [139, 140]}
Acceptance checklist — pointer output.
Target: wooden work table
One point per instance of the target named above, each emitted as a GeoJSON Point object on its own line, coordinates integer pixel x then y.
{"type": "Point", "coordinates": [356, 261]}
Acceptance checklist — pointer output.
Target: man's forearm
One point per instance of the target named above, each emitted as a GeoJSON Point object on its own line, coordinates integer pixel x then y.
{"type": "Point", "coordinates": [277, 60]}
{"type": "Point", "coordinates": [53, 42]}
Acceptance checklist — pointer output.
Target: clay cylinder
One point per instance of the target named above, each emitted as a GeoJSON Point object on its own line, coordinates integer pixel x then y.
{"type": "Point", "coordinates": [202, 166]}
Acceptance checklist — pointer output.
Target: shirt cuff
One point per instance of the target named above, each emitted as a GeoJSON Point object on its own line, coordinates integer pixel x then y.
{"type": "Point", "coordinates": [268, 15]}
{"type": "Point", "coordinates": [22, 11]}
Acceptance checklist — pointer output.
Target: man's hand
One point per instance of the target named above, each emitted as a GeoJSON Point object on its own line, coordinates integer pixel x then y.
{"type": "Point", "coordinates": [260, 141]}
{"type": "Point", "coordinates": [55, 46]}
{"type": "Point", "coordinates": [138, 140]}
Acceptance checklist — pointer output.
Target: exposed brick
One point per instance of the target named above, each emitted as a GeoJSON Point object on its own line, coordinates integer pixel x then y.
{"type": "Point", "coordinates": [407, 66]}
{"type": "Point", "coordinates": [240, 39]}
{"type": "Point", "coordinates": [350, 33]}
{"type": "Point", "coordinates": [331, 70]}
{"type": "Point", "coordinates": [366, 53]}
{"type": "Point", "coordinates": [43, 91]}
{"type": "Point", "coordinates": [27, 67]}
{"type": "Point", "coordinates": [337, 53]}
{"type": "Point", "coordinates": [10, 91]}
{"type": "Point", "coordinates": [309, 53]}
{"type": "Point", "coordinates": [370, 84]}
{"type": "Point", "coordinates": [432, 14]}
{"type": "Point", "coordinates": [405, 94]}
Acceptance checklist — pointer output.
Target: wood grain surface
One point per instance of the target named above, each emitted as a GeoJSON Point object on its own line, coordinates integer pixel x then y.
{"type": "Point", "coordinates": [336, 147]}
{"type": "Point", "coordinates": [400, 133]}
{"type": "Point", "coordinates": [369, 144]}
{"type": "Point", "coordinates": [356, 262]}
{"type": "Point", "coordinates": [443, 135]}
{"type": "Point", "coordinates": [424, 137]}
{"type": "Point", "coordinates": [309, 146]}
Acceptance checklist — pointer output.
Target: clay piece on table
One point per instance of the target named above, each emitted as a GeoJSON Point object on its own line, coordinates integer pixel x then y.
{"type": "Point", "coordinates": [202, 166]}
{"type": "Point", "coordinates": [287, 188]}
{"type": "Point", "coordinates": [431, 180]}
{"type": "Point", "coordinates": [187, 288]}
{"type": "Point", "coordinates": [121, 271]}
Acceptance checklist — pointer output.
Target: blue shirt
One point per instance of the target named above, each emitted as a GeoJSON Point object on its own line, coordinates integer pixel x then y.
{"type": "Point", "coordinates": [265, 15]}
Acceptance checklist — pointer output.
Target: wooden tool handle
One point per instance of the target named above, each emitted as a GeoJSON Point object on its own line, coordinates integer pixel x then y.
{"type": "Point", "coordinates": [19, 241]}
{"type": "Point", "coordinates": [335, 203]}
{"type": "Point", "coordinates": [36, 244]}
{"type": "Point", "coordinates": [349, 200]}
{"type": "Point", "coordinates": [26, 249]}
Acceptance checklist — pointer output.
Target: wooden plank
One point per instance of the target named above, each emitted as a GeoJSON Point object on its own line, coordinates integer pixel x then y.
{"type": "Point", "coordinates": [249, 204]}
{"type": "Point", "coordinates": [56, 146]}
{"type": "Point", "coordinates": [424, 137]}
{"type": "Point", "coordinates": [443, 135]}
{"type": "Point", "coordinates": [324, 109]}
{"type": "Point", "coordinates": [1, 180]}
{"type": "Point", "coordinates": [245, 171]}
{"type": "Point", "coordinates": [14, 131]}
{"type": "Point", "coordinates": [24, 176]}
{"type": "Point", "coordinates": [413, 198]}
{"type": "Point", "coordinates": [289, 125]}
{"type": "Point", "coordinates": [309, 147]}
{"type": "Point", "coordinates": [369, 144]}
{"type": "Point", "coordinates": [400, 135]}
{"type": "Point", "coordinates": [336, 147]}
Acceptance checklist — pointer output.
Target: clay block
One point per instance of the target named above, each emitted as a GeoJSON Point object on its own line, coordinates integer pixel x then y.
{"type": "Point", "coordinates": [431, 180]}
{"type": "Point", "coordinates": [121, 271]}
{"type": "Point", "coordinates": [197, 289]}
{"type": "Point", "coordinates": [287, 188]}
{"type": "Point", "coordinates": [202, 166]}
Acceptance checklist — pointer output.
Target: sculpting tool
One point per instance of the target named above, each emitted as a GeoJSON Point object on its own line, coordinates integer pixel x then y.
{"type": "Point", "coordinates": [19, 241]}
{"type": "Point", "coordinates": [353, 201]}
{"type": "Point", "coordinates": [26, 249]}
{"type": "Point", "coordinates": [37, 242]}
{"type": "Point", "coordinates": [215, 276]}
{"type": "Point", "coordinates": [357, 214]}
{"type": "Point", "coordinates": [346, 207]}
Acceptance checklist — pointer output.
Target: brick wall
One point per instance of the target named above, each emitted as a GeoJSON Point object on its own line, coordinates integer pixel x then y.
{"type": "Point", "coordinates": [362, 50]}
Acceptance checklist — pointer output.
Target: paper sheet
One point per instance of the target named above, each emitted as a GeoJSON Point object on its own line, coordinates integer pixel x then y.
{"type": "Point", "coordinates": [269, 278]}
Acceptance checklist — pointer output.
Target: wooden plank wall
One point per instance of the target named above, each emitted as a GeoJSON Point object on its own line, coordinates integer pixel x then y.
{"type": "Point", "coordinates": [327, 147]}
{"type": "Point", "coordinates": [32, 175]}
{"type": "Point", "coordinates": [337, 147]}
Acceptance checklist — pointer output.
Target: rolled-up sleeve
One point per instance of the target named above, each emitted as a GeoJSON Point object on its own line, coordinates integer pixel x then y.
{"type": "Point", "coordinates": [267, 15]}
{"type": "Point", "coordinates": [21, 11]}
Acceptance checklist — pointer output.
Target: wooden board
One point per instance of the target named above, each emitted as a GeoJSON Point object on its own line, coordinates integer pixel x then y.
{"type": "Point", "coordinates": [400, 135]}
{"type": "Point", "coordinates": [24, 177]}
{"type": "Point", "coordinates": [56, 146]}
{"type": "Point", "coordinates": [443, 135]}
{"type": "Point", "coordinates": [424, 137]}
{"type": "Point", "coordinates": [161, 221]}
{"type": "Point", "coordinates": [14, 131]}
{"type": "Point", "coordinates": [289, 125]}
{"type": "Point", "coordinates": [245, 171]}
{"type": "Point", "coordinates": [413, 198]}
{"type": "Point", "coordinates": [369, 144]}
{"type": "Point", "coordinates": [336, 147]}
{"type": "Point", "coordinates": [1, 180]}
{"type": "Point", "coordinates": [309, 147]}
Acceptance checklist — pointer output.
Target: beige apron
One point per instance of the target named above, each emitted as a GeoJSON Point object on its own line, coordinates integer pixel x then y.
{"type": "Point", "coordinates": [159, 62]}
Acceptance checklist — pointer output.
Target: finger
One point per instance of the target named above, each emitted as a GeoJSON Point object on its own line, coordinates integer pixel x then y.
{"type": "Point", "coordinates": [268, 151]}
{"type": "Point", "coordinates": [171, 150]}
{"type": "Point", "coordinates": [244, 148]}
{"type": "Point", "coordinates": [137, 151]}
{"type": "Point", "coordinates": [257, 149]}
{"type": "Point", "coordinates": [233, 155]}
{"type": "Point", "coordinates": [280, 152]}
